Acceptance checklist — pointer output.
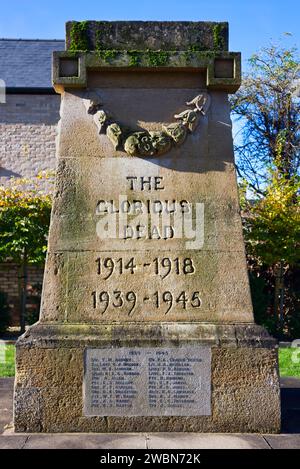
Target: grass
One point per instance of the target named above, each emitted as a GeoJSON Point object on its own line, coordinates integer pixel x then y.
{"type": "Point", "coordinates": [7, 360]}
{"type": "Point", "coordinates": [286, 363]}
{"type": "Point", "coordinates": [287, 358]}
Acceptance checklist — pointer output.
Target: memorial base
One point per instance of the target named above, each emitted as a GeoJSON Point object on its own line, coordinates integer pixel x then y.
{"type": "Point", "coordinates": [49, 396]}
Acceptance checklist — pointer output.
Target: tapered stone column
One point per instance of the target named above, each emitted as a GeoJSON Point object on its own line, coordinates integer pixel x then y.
{"type": "Point", "coordinates": [146, 321]}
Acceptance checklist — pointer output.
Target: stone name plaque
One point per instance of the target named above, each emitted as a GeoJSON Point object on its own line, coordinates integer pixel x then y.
{"type": "Point", "coordinates": [148, 381]}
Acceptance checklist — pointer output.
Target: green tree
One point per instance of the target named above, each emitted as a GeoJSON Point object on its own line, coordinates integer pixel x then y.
{"type": "Point", "coordinates": [267, 111]}
{"type": "Point", "coordinates": [272, 222]}
{"type": "Point", "coordinates": [24, 222]}
{"type": "Point", "coordinates": [272, 235]}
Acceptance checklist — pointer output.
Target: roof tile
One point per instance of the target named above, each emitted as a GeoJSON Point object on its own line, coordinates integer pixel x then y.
{"type": "Point", "coordinates": [26, 63]}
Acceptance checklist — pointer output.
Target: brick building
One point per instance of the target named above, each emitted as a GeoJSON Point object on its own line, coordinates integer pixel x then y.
{"type": "Point", "coordinates": [28, 121]}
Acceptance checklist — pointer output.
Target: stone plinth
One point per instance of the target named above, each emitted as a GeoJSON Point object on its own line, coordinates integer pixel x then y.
{"type": "Point", "coordinates": [146, 321]}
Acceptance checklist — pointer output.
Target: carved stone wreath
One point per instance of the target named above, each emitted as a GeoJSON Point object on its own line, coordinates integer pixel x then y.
{"type": "Point", "coordinates": [153, 143]}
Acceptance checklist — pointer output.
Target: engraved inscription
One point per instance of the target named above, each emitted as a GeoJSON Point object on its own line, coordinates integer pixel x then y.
{"type": "Point", "coordinates": [126, 301]}
{"type": "Point", "coordinates": [143, 211]}
{"type": "Point", "coordinates": [118, 299]}
{"type": "Point", "coordinates": [125, 287]}
{"type": "Point", "coordinates": [145, 183]}
{"type": "Point", "coordinates": [109, 284]}
{"type": "Point", "coordinates": [160, 266]}
{"type": "Point", "coordinates": [148, 381]}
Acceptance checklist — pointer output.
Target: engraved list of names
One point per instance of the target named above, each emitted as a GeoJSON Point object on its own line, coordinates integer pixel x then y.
{"type": "Point", "coordinates": [148, 381]}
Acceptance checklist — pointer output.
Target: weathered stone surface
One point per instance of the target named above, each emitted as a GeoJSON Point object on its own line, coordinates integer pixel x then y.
{"type": "Point", "coordinates": [79, 135]}
{"type": "Point", "coordinates": [179, 280]}
{"type": "Point", "coordinates": [147, 381]}
{"type": "Point", "coordinates": [51, 335]}
{"type": "Point", "coordinates": [217, 77]}
{"type": "Point", "coordinates": [144, 35]}
{"type": "Point", "coordinates": [217, 277]}
{"type": "Point", "coordinates": [242, 377]}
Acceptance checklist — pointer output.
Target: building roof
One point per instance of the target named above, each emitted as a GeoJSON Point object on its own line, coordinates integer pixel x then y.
{"type": "Point", "coordinates": [26, 63]}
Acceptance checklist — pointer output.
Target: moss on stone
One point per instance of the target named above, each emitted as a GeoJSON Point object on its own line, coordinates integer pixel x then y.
{"type": "Point", "coordinates": [153, 35]}
{"type": "Point", "coordinates": [108, 55]}
{"type": "Point", "coordinates": [218, 37]}
{"type": "Point", "coordinates": [134, 58]}
{"type": "Point", "coordinates": [158, 58]}
{"type": "Point", "coordinates": [195, 50]}
{"type": "Point", "coordinates": [79, 37]}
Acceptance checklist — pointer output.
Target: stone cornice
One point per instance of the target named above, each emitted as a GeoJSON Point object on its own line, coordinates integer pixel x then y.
{"type": "Point", "coordinates": [223, 69]}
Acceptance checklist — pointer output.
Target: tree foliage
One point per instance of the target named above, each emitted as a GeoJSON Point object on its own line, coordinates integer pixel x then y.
{"type": "Point", "coordinates": [272, 223]}
{"type": "Point", "coordinates": [267, 110]}
{"type": "Point", "coordinates": [24, 222]}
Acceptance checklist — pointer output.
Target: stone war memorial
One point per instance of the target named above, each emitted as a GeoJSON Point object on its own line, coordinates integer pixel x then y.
{"type": "Point", "coordinates": [146, 321]}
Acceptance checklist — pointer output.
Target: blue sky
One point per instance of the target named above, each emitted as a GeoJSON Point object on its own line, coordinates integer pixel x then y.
{"type": "Point", "coordinates": [252, 22]}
